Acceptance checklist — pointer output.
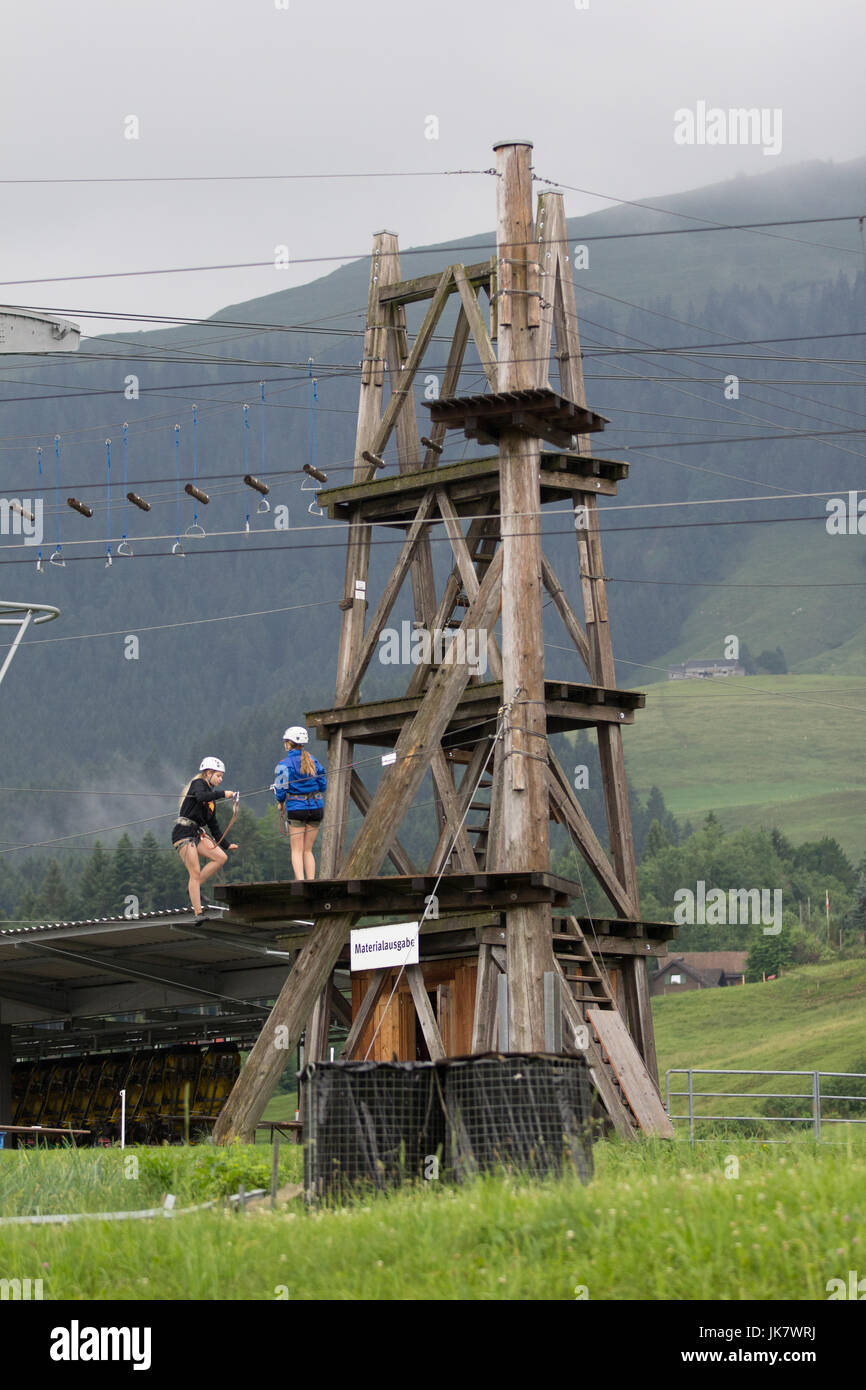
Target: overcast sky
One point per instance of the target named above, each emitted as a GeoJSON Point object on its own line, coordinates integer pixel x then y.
{"type": "Point", "coordinates": [335, 86]}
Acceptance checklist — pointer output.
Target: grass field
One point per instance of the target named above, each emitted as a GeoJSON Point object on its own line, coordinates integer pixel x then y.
{"type": "Point", "coordinates": [658, 1221]}
{"type": "Point", "coordinates": [724, 1220]}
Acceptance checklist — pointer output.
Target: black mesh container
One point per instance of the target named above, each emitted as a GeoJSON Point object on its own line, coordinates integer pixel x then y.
{"type": "Point", "coordinates": [369, 1123]}
{"type": "Point", "coordinates": [526, 1112]}
{"type": "Point", "coordinates": [382, 1123]}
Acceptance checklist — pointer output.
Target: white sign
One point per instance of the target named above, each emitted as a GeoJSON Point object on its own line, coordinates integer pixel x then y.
{"type": "Point", "coordinates": [372, 948]}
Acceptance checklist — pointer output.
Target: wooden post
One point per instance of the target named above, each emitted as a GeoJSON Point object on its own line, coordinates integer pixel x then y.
{"type": "Point", "coordinates": [275, 1166]}
{"type": "Point", "coordinates": [486, 1001]}
{"type": "Point", "coordinates": [523, 787]}
{"type": "Point", "coordinates": [562, 315]}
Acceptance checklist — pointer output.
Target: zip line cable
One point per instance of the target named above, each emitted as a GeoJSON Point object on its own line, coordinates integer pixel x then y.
{"type": "Point", "coordinates": [253, 178]}
{"type": "Point", "coordinates": [611, 530]}
{"type": "Point", "coordinates": [72, 393]}
{"type": "Point", "coordinates": [354, 256]}
{"type": "Point", "coordinates": [712, 226]}
{"type": "Point", "coordinates": [149, 820]}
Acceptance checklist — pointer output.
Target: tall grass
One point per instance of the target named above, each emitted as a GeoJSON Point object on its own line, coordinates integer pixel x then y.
{"type": "Point", "coordinates": [658, 1221]}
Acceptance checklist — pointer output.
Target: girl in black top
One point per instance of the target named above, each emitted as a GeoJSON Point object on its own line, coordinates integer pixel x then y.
{"type": "Point", "coordinates": [196, 831]}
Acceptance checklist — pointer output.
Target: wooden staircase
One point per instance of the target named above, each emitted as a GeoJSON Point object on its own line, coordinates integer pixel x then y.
{"type": "Point", "coordinates": [626, 1089]}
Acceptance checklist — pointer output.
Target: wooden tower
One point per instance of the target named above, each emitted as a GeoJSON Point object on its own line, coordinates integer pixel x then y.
{"type": "Point", "coordinates": [500, 966]}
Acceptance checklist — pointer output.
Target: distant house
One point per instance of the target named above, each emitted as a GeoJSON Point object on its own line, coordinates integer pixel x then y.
{"type": "Point", "coordinates": [707, 668]}
{"type": "Point", "coordinates": [700, 970]}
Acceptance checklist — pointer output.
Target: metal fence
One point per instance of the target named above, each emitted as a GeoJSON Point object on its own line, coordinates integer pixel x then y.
{"type": "Point", "coordinates": [819, 1100]}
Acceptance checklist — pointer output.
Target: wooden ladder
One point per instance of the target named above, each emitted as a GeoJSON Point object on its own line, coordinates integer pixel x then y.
{"type": "Point", "coordinates": [625, 1087]}
{"type": "Point", "coordinates": [588, 984]}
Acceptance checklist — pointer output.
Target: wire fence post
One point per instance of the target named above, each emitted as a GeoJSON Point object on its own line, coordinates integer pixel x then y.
{"type": "Point", "coordinates": [275, 1167]}
{"type": "Point", "coordinates": [691, 1109]}
{"type": "Point", "coordinates": [816, 1104]}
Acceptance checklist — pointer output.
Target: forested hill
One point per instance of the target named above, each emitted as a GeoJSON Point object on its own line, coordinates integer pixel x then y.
{"type": "Point", "coordinates": [77, 713]}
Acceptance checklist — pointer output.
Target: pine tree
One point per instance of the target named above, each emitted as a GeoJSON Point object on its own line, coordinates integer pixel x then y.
{"type": "Point", "coordinates": [26, 907]}
{"type": "Point", "coordinates": [96, 890]}
{"type": "Point", "coordinates": [126, 874]}
{"type": "Point", "coordinates": [658, 838]}
{"type": "Point", "coordinates": [54, 902]}
{"type": "Point", "coordinates": [149, 870]}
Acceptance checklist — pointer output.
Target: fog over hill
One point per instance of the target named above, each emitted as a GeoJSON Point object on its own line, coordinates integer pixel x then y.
{"type": "Point", "coordinates": [145, 721]}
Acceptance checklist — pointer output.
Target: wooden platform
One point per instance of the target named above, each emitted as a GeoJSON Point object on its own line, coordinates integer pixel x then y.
{"type": "Point", "coordinates": [535, 411]}
{"type": "Point", "coordinates": [396, 497]}
{"type": "Point", "coordinates": [569, 706]}
{"type": "Point", "coordinates": [392, 895]}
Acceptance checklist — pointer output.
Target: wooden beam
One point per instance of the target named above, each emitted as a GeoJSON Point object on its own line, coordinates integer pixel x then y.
{"type": "Point", "coordinates": [452, 376]}
{"type": "Point", "coordinates": [409, 453]}
{"type": "Point", "coordinates": [600, 662]}
{"type": "Point", "coordinates": [399, 857]}
{"type": "Point", "coordinates": [484, 1021]}
{"type": "Point", "coordinates": [481, 338]}
{"type": "Point", "coordinates": [319, 1027]}
{"type": "Point", "coordinates": [453, 829]}
{"type": "Point", "coordinates": [522, 788]}
{"type": "Point", "coordinates": [565, 610]}
{"type": "Point", "coordinates": [467, 569]}
{"type": "Point", "coordinates": [336, 817]}
{"type": "Point", "coordinates": [612, 759]}
{"type": "Point", "coordinates": [365, 1013]}
{"type": "Point", "coordinates": [419, 347]}
{"type": "Point", "coordinates": [478, 530]}
{"type": "Point", "coordinates": [416, 532]}
{"type": "Point", "coordinates": [494, 859]}
{"type": "Point", "coordinates": [426, 1016]}
{"type": "Point", "coordinates": [341, 1009]}
{"type": "Point", "coordinates": [425, 286]}
{"type": "Point", "coordinates": [587, 841]}
{"type": "Point", "coordinates": [639, 1010]}
{"type": "Point", "coordinates": [471, 776]}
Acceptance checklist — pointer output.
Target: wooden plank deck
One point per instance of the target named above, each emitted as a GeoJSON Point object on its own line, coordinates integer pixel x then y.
{"type": "Point", "coordinates": [395, 497]}
{"type": "Point", "coordinates": [569, 706]}
{"type": "Point", "coordinates": [390, 895]}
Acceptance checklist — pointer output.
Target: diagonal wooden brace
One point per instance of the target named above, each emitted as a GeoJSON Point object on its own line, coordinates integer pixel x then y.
{"type": "Point", "coordinates": [392, 799]}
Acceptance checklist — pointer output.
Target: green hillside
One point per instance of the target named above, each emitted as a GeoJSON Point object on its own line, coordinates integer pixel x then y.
{"type": "Point", "coordinates": [809, 1019]}
{"type": "Point", "coordinates": [758, 750]}
{"type": "Point", "coordinates": [820, 583]}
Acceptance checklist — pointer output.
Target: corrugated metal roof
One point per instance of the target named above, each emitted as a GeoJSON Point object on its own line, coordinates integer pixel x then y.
{"type": "Point", "coordinates": [96, 921]}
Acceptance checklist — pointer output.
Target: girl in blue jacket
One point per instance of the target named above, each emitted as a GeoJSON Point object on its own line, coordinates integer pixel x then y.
{"type": "Point", "coordinates": [299, 784]}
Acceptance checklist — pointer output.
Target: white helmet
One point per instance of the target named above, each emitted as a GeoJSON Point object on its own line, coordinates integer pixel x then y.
{"type": "Point", "coordinates": [211, 765]}
{"type": "Point", "coordinates": [296, 735]}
